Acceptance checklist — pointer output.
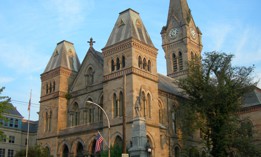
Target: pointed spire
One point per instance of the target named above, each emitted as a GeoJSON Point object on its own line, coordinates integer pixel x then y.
{"type": "Point", "coordinates": [179, 11]}
{"type": "Point", "coordinates": [64, 56]}
{"type": "Point", "coordinates": [129, 25]}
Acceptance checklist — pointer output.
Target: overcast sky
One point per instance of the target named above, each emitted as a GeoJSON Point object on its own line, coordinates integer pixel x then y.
{"type": "Point", "coordinates": [30, 30]}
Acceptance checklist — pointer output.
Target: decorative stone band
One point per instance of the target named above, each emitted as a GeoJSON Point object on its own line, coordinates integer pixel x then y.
{"type": "Point", "coordinates": [56, 72]}
{"type": "Point", "coordinates": [179, 73]}
{"type": "Point", "coordinates": [52, 96]}
{"type": "Point", "coordinates": [131, 70]}
{"type": "Point", "coordinates": [129, 43]}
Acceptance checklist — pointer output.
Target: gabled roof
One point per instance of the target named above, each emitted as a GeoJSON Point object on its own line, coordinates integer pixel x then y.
{"type": "Point", "coordinates": [169, 85]}
{"type": "Point", "coordinates": [64, 55]}
{"type": "Point", "coordinates": [13, 111]}
{"type": "Point", "coordinates": [97, 54]}
{"type": "Point", "coordinates": [252, 98]}
{"type": "Point", "coordinates": [129, 25]}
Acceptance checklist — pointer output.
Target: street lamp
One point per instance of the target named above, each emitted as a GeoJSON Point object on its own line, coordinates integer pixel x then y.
{"type": "Point", "coordinates": [109, 126]}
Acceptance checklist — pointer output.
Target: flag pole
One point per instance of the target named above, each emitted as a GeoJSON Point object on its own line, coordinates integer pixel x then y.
{"type": "Point", "coordinates": [103, 139]}
{"type": "Point", "coordinates": [28, 123]}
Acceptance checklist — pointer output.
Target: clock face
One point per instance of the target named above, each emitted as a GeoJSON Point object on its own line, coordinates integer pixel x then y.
{"type": "Point", "coordinates": [173, 33]}
{"type": "Point", "coordinates": [193, 33]}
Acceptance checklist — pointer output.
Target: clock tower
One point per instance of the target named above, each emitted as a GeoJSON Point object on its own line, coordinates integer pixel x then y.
{"type": "Point", "coordinates": [181, 39]}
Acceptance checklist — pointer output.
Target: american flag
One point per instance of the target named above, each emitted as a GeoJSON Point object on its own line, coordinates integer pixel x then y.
{"type": "Point", "coordinates": [99, 140]}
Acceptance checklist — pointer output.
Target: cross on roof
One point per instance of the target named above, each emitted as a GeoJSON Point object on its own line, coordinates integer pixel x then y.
{"type": "Point", "coordinates": [91, 42]}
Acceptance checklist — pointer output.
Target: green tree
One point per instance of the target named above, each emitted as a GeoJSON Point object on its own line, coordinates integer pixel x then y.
{"type": "Point", "coordinates": [116, 151]}
{"type": "Point", "coordinates": [215, 90]}
{"type": "Point", "coordinates": [4, 107]}
{"type": "Point", "coordinates": [33, 152]}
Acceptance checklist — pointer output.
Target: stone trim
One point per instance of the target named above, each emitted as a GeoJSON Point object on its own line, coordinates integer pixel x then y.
{"type": "Point", "coordinates": [56, 72]}
{"type": "Point", "coordinates": [52, 96]}
{"type": "Point", "coordinates": [129, 43]}
{"type": "Point", "coordinates": [131, 70]}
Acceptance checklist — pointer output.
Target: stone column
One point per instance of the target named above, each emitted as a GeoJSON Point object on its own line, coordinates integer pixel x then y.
{"type": "Point", "coordinates": [139, 138]}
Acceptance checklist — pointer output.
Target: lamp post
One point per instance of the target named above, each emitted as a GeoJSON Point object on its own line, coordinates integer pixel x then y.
{"type": "Point", "coordinates": [109, 126]}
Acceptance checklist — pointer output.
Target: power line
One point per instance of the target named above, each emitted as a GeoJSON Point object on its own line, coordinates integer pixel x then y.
{"type": "Point", "coordinates": [25, 103]}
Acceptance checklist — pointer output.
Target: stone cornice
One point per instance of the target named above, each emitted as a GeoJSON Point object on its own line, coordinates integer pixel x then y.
{"type": "Point", "coordinates": [56, 72]}
{"type": "Point", "coordinates": [129, 43]}
{"type": "Point", "coordinates": [179, 73]}
{"type": "Point", "coordinates": [131, 70]}
{"type": "Point", "coordinates": [169, 95]}
{"type": "Point", "coordinates": [250, 109]}
{"type": "Point", "coordinates": [52, 96]}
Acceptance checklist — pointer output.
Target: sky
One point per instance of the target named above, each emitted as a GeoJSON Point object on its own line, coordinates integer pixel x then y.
{"type": "Point", "coordinates": [30, 30]}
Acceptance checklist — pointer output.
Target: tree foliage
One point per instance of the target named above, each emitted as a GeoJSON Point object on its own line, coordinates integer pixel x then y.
{"type": "Point", "coordinates": [4, 100]}
{"type": "Point", "coordinates": [33, 152]}
{"type": "Point", "coordinates": [215, 90]}
{"type": "Point", "coordinates": [116, 151]}
{"type": "Point", "coordinates": [4, 107]}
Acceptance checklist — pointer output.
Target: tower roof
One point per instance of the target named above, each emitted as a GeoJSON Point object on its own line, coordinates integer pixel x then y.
{"type": "Point", "coordinates": [64, 55]}
{"type": "Point", "coordinates": [179, 10]}
{"type": "Point", "coordinates": [129, 25]}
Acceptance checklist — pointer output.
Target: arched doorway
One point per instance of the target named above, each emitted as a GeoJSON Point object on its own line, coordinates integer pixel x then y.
{"type": "Point", "coordinates": [65, 151]}
{"type": "Point", "coordinates": [79, 150]}
{"type": "Point", "coordinates": [48, 152]}
{"type": "Point", "coordinates": [118, 141]}
{"type": "Point", "coordinates": [91, 149]}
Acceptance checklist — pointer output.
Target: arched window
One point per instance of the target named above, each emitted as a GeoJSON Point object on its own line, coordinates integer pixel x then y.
{"type": "Point", "coordinates": [118, 64]}
{"type": "Point", "coordinates": [53, 86]}
{"type": "Point", "coordinates": [46, 121]}
{"type": "Point", "coordinates": [118, 141]}
{"type": "Point", "coordinates": [192, 55]}
{"type": "Point", "coordinates": [149, 66]}
{"type": "Point", "coordinates": [48, 152]}
{"type": "Point", "coordinates": [100, 112]}
{"type": "Point", "coordinates": [149, 104]}
{"type": "Point", "coordinates": [50, 121]}
{"type": "Point", "coordinates": [76, 114]}
{"type": "Point", "coordinates": [47, 88]}
{"type": "Point", "coordinates": [91, 113]}
{"type": "Point", "coordinates": [177, 152]}
{"type": "Point", "coordinates": [121, 101]}
{"type": "Point", "coordinates": [180, 61]}
{"type": "Point", "coordinates": [140, 62]}
{"type": "Point", "coordinates": [65, 151]}
{"type": "Point", "coordinates": [50, 87]}
{"type": "Point", "coordinates": [79, 150]}
{"type": "Point", "coordinates": [173, 117]}
{"type": "Point", "coordinates": [115, 105]}
{"type": "Point", "coordinates": [123, 61]}
{"type": "Point", "coordinates": [90, 76]}
{"type": "Point", "coordinates": [144, 64]}
{"type": "Point", "coordinates": [160, 113]}
{"type": "Point", "coordinates": [143, 104]}
{"type": "Point", "coordinates": [175, 64]}
{"type": "Point", "coordinates": [112, 65]}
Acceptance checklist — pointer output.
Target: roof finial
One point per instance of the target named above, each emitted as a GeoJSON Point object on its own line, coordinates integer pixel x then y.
{"type": "Point", "coordinates": [91, 42]}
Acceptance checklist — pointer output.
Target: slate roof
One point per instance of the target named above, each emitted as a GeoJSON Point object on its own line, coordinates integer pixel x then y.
{"type": "Point", "coordinates": [97, 54]}
{"type": "Point", "coordinates": [64, 55]}
{"type": "Point", "coordinates": [33, 126]}
{"type": "Point", "coordinates": [169, 85]}
{"type": "Point", "coordinates": [252, 98]}
{"type": "Point", "coordinates": [129, 25]}
{"type": "Point", "coordinates": [179, 10]}
{"type": "Point", "coordinates": [13, 111]}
